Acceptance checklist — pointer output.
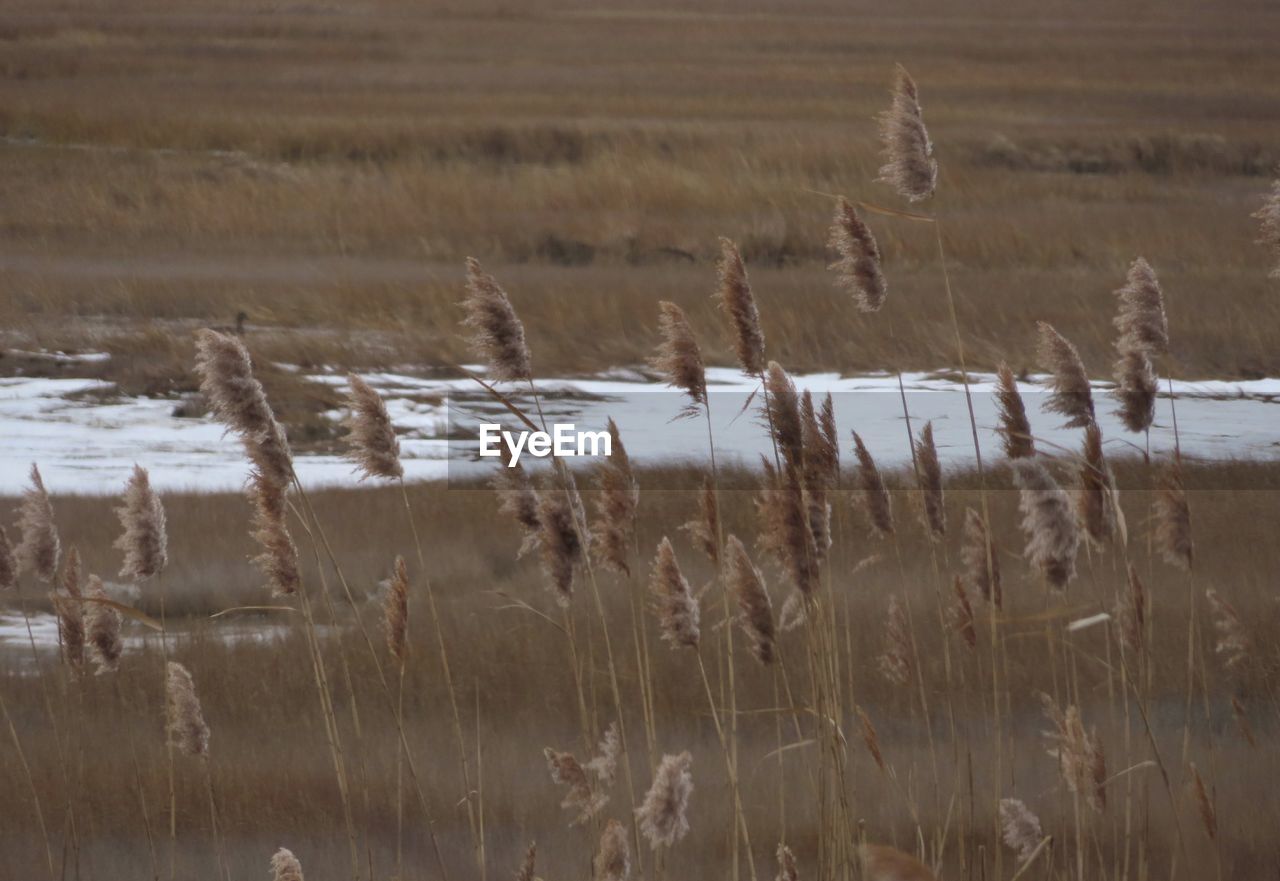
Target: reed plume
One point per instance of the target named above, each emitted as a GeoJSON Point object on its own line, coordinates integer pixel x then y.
{"type": "Point", "coordinates": [1053, 538]}
{"type": "Point", "coordinates": [1015, 428]}
{"type": "Point", "coordinates": [1020, 828]}
{"type": "Point", "coordinates": [663, 814]}
{"type": "Point", "coordinates": [1136, 389]}
{"type": "Point", "coordinates": [1069, 392]}
{"type": "Point", "coordinates": [857, 268]}
{"type": "Point", "coordinates": [8, 563]}
{"type": "Point", "coordinates": [735, 298]}
{"type": "Point", "coordinates": [395, 610]}
{"type": "Point", "coordinates": [784, 415]}
{"type": "Point", "coordinates": [582, 798]}
{"type": "Point", "coordinates": [679, 358]}
{"type": "Point", "coordinates": [616, 503]}
{"type": "Point", "coordinates": [962, 614]}
{"type": "Point", "coordinates": [604, 765]}
{"type": "Point", "coordinates": [279, 558]}
{"type": "Point", "coordinates": [374, 446]}
{"type": "Point", "coordinates": [145, 539]}
{"type": "Point", "coordinates": [821, 468]}
{"type": "Point", "coordinates": [1141, 320]}
{"type": "Point", "coordinates": [704, 528]}
{"type": "Point", "coordinates": [613, 858]}
{"type": "Point", "coordinates": [1173, 517]}
{"type": "Point", "coordinates": [676, 607]}
{"type": "Point", "coordinates": [909, 164]}
{"type": "Point", "coordinates": [1081, 761]}
{"type": "Point", "coordinates": [1233, 642]}
{"type": "Point", "coordinates": [786, 533]}
{"type": "Point", "coordinates": [1208, 814]}
{"type": "Point", "coordinates": [787, 869]}
{"type": "Point", "coordinates": [104, 628]}
{"type": "Point", "coordinates": [1095, 500]}
{"type": "Point", "coordinates": [872, 739]}
{"type": "Point", "coordinates": [68, 607]}
{"type": "Point", "coordinates": [559, 542]}
{"type": "Point", "coordinates": [285, 866]}
{"type": "Point", "coordinates": [518, 499]}
{"type": "Point", "coordinates": [876, 501]}
{"type": "Point", "coordinates": [1242, 722]}
{"type": "Point", "coordinates": [1132, 615]}
{"type": "Point", "coordinates": [929, 476]}
{"type": "Point", "coordinates": [895, 663]}
{"type": "Point", "coordinates": [497, 336]}
{"type": "Point", "coordinates": [186, 725]}
{"type": "Point", "coordinates": [39, 547]}
{"type": "Point", "coordinates": [755, 610]}
{"type": "Point", "coordinates": [527, 864]}
{"type": "Point", "coordinates": [1269, 225]}
{"type": "Point", "coordinates": [238, 400]}
{"type": "Point", "coordinates": [981, 558]}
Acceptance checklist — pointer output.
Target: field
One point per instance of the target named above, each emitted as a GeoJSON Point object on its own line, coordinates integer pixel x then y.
{"type": "Point", "coordinates": [309, 179]}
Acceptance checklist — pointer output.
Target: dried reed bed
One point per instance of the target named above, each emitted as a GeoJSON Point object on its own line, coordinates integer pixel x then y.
{"type": "Point", "coordinates": [276, 786]}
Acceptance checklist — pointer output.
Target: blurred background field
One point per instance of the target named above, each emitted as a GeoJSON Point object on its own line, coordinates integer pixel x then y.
{"type": "Point", "coordinates": [326, 167]}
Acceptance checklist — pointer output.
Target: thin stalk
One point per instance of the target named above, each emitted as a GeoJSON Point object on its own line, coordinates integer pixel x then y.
{"type": "Point", "coordinates": [31, 784]}
{"type": "Point", "coordinates": [444, 666]}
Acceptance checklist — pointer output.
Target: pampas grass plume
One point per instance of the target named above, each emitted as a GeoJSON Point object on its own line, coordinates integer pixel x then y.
{"type": "Point", "coordinates": [909, 164]}
{"type": "Point", "coordinates": [39, 547]}
{"type": "Point", "coordinates": [734, 296]}
{"type": "Point", "coordinates": [857, 266]}
{"type": "Point", "coordinates": [664, 812]}
{"type": "Point", "coordinates": [145, 538]}
{"type": "Point", "coordinates": [374, 446]}
{"type": "Point", "coordinates": [497, 336]}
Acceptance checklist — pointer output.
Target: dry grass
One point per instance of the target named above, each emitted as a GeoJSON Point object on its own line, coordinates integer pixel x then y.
{"type": "Point", "coordinates": [276, 789]}
{"type": "Point", "coordinates": [328, 172]}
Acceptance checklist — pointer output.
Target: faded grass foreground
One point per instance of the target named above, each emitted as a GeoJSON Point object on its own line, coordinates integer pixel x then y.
{"type": "Point", "coordinates": [274, 780]}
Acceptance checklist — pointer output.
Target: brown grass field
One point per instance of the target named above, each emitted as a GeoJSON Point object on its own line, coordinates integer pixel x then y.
{"type": "Point", "coordinates": [327, 168]}
{"type": "Point", "coordinates": [275, 786]}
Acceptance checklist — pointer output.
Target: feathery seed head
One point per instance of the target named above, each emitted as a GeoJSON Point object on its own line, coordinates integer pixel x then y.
{"type": "Point", "coordinates": [1141, 321]}
{"type": "Point", "coordinates": [285, 866]}
{"type": "Point", "coordinates": [613, 859]}
{"type": "Point", "coordinates": [663, 814]}
{"type": "Point", "coordinates": [39, 547]}
{"type": "Point", "coordinates": [1069, 392]}
{"type": "Point", "coordinates": [1136, 390]}
{"type": "Point", "coordinates": [1053, 537]}
{"type": "Point", "coordinates": [145, 539]}
{"type": "Point", "coordinates": [104, 628]}
{"type": "Point", "coordinates": [755, 610]}
{"type": "Point", "coordinates": [1015, 428]}
{"type": "Point", "coordinates": [1021, 828]}
{"type": "Point", "coordinates": [735, 298]}
{"type": "Point", "coordinates": [374, 446]}
{"type": "Point", "coordinates": [1173, 518]}
{"type": "Point", "coordinates": [875, 498]}
{"type": "Point", "coordinates": [497, 336]}
{"type": "Point", "coordinates": [934, 513]}
{"type": "Point", "coordinates": [857, 266]}
{"type": "Point", "coordinates": [676, 606]}
{"type": "Point", "coordinates": [909, 164]}
{"type": "Point", "coordinates": [679, 358]}
{"type": "Point", "coordinates": [395, 610]}
{"type": "Point", "coordinates": [187, 728]}
{"type": "Point", "coordinates": [616, 506]}
{"type": "Point", "coordinates": [704, 528]}
{"type": "Point", "coordinates": [559, 542]}
{"type": "Point", "coordinates": [981, 558]}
